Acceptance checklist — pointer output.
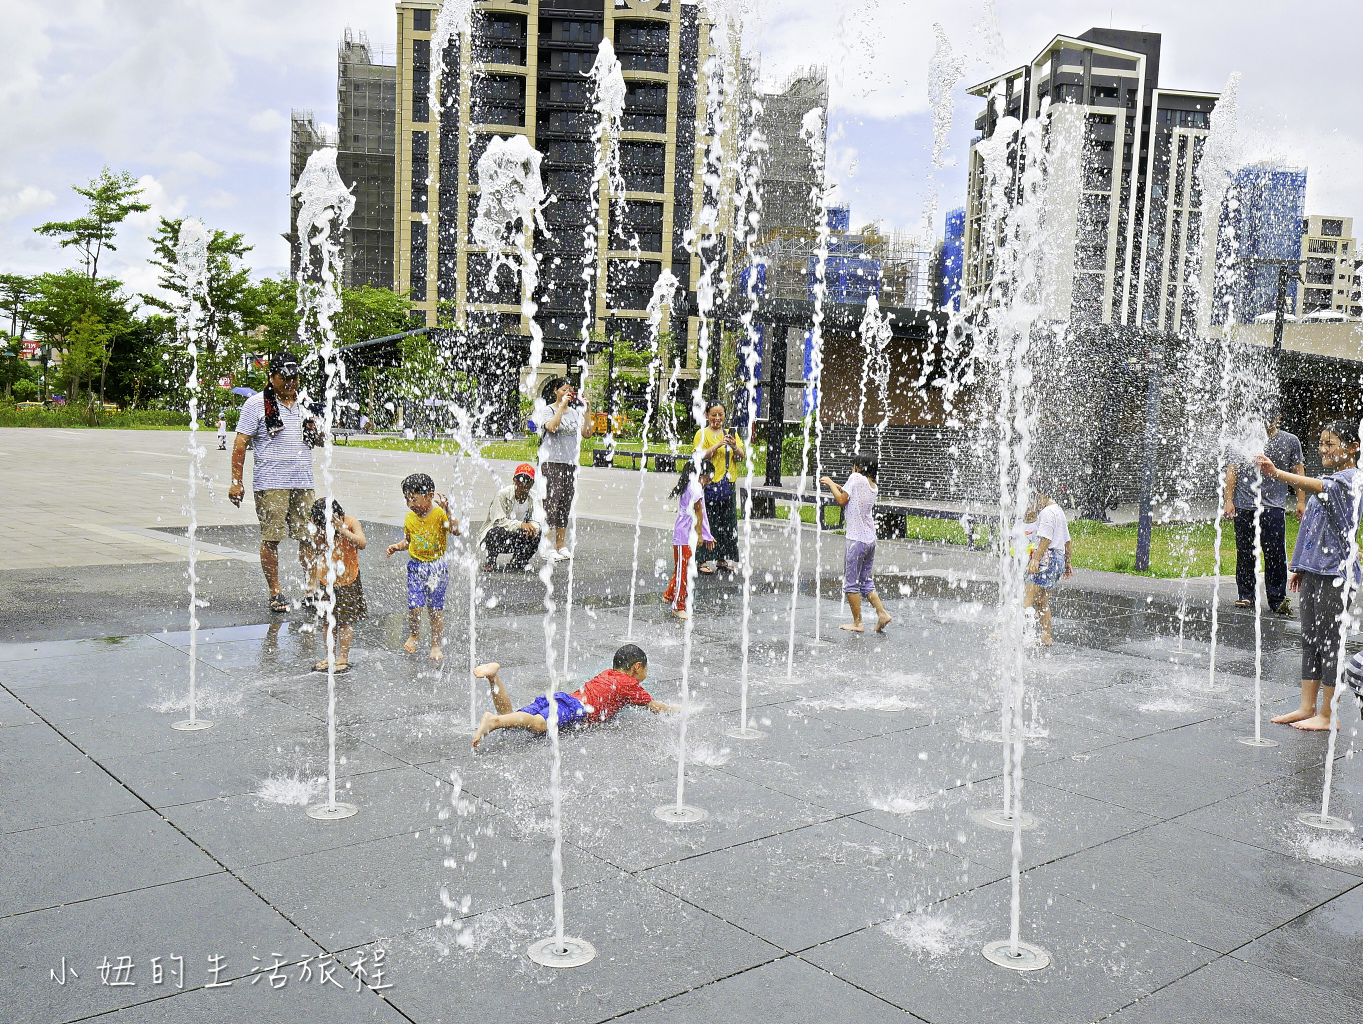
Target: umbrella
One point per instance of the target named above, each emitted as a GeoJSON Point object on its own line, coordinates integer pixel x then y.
{"type": "Point", "coordinates": [244, 392]}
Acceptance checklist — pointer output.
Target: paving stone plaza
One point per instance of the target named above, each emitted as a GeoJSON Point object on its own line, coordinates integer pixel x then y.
{"type": "Point", "coordinates": [838, 877]}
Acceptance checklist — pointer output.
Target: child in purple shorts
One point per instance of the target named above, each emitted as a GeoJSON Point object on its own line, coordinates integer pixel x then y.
{"type": "Point", "coordinates": [858, 499]}
{"type": "Point", "coordinates": [425, 531]}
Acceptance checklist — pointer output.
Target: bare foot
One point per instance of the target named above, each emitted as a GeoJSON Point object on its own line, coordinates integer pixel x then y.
{"type": "Point", "coordinates": [436, 653]}
{"type": "Point", "coordinates": [681, 615]}
{"type": "Point", "coordinates": [484, 727]}
{"type": "Point", "coordinates": [882, 622]}
{"type": "Point", "coordinates": [1317, 723]}
{"type": "Point", "coordinates": [1295, 716]}
{"type": "Point", "coordinates": [487, 671]}
{"type": "Point", "coordinates": [410, 645]}
{"type": "Point", "coordinates": [854, 627]}
{"type": "Point", "coordinates": [1044, 641]}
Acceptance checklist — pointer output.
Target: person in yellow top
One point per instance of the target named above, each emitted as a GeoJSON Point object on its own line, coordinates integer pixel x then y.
{"type": "Point", "coordinates": [426, 528]}
{"type": "Point", "coordinates": [724, 449]}
{"type": "Point", "coordinates": [349, 606]}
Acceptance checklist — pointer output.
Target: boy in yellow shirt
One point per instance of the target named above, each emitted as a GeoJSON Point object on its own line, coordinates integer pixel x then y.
{"type": "Point", "coordinates": [426, 528]}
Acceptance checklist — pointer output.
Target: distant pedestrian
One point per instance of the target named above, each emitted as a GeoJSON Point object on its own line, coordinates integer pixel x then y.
{"type": "Point", "coordinates": [349, 606]}
{"type": "Point", "coordinates": [723, 448]}
{"type": "Point", "coordinates": [562, 420]}
{"type": "Point", "coordinates": [1320, 560]}
{"type": "Point", "coordinates": [222, 431]}
{"type": "Point", "coordinates": [1284, 450]}
{"type": "Point", "coordinates": [691, 524]}
{"type": "Point", "coordinates": [857, 498]}
{"type": "Point", "coordinates": [426, 531]}
{"type": "Point", "coordinates": [515, 522]}
{"type": "Point", "coordinates": [282, 432]}
{"type": "Point", "coordinates": [1050, 561]}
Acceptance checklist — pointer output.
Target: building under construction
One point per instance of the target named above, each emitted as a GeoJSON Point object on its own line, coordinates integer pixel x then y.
{"type": "Point", "coordinates": [306, 136]}
{"type": "Point", "coordinates": [366, 126]}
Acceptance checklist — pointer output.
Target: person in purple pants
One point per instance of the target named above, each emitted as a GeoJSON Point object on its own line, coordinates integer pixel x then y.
{"type": "Point", "coordinates": [858, 498]}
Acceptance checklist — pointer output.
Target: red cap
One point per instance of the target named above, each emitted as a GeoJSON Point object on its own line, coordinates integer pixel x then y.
{"type": "Point", "coordinates": [525, 469]}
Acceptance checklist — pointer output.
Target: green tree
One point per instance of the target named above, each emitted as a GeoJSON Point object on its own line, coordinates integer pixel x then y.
{"type": "Point", "coordinates": [368, 313]}
{"type": "Point", "coordinates": [61, 301]}
{"type": "Point", "coordinates": [228, 281]}
{"type": "Point", "coordinates": [87, 356]}
{"type": "Point", "coordinates": [109, 199]}
{"type": "Point", "coordinates": [15, 290]}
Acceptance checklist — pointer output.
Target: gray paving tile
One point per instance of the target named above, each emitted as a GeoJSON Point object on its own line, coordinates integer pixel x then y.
{"type": "Point", "coordinates": [1231, 990]}
{"type": "Point", "coordinates": [1324, 946]}
{"type": "Point", "coordinates": [649, 946]}
{"type": "Point", "coordinates": [356, 894]}
{"type": "Point", "coordinates": [214, 914]}
{"type": "Point", "coordinates": [873, 873]}
{"type": "Point", "coordinates": [13, 712]}
{"type": "Point", "coordinates": [260, 1005]}
{"type": "Point", "coordinates": [788, 989]}
{"type": "Point", "coordinates": [1208, 890]}
{"type": "Point", "coordinates": [45, 867]}
{"type": "Point", "coordinates": [57, 784]}
{"type": "Point", "coordinates": [1100, 962]}
{"type": "Point", "coordinates": [52, 649]}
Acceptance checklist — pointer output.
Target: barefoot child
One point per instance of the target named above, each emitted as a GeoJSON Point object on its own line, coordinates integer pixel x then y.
{"type": "Point", "coordinates": [1050, 561]}
{"type": "Point", "coordinates": [427, 528]}
{"type": "Point", "coordinates": [345, 560]}
{"type": "Point", "coordinates": [222, 431]}
{"type": "Point", "coordinates": [690, 494]}
{"type": "Point", "coordinates": [858, 501]}
{"type": "Point", "coordinates": [597, 701]}
{"type": "Point", "coordinates": [1319, 561]}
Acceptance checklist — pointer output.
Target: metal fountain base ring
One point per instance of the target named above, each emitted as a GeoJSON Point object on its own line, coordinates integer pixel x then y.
{"type": "Point", "coordinates": [1256, 741]}
{"type": "Point", "coordinates": [1328, 822]}
{"type": "Point", "coordinates": [323, 812]}
{"type": "Point", "coordinates": [1026, 958]}
{"type": "Point", "coordinates": [564, 952]}
{"type": "Point", "coordinates": [997, 818]}
{"type": "Point", "coordinates": [191, 725]}
{"type": "Point", "coordinates": [1206, 687]}
{"type": "Point", "coordinates": [683, 815]}
{"type": "Point", "coordinates": [744, 733]}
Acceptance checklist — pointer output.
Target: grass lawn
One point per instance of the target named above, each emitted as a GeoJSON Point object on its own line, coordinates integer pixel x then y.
{"type": "Point", "coordinates": [522, 450]}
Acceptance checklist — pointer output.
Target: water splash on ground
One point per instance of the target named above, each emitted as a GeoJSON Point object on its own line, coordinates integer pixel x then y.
{"type": "Point", "coordinates": [905, 801]}
{"type": "Point", "coordinates": [290, 790]}
{"type": "Point", "coordinates": [1330, 850]}
{"type": "Point", "coordinates": [933, 935]}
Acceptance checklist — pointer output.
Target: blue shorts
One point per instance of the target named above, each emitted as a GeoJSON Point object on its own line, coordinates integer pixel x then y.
{"type": "Point", "coordinates": [1052, 568]}
{"type": "Point", "coordinates": [858, 561]}
{"type": "Point", "coordinates": [570, 709]}
{"type": "Point", "coordinates": [426, 582]}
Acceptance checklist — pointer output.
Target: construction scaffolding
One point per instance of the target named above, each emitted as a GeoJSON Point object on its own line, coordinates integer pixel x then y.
{"type": "Point", "coordinates": [305, 138]}
{"type": "Point", "coordinates": [366, 122]}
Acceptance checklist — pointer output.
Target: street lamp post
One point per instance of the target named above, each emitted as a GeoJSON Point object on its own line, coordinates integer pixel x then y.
{"type": "Point", "coordinates": [1154, 359]}
{"type": "Point", "coordinates": [611, 338]}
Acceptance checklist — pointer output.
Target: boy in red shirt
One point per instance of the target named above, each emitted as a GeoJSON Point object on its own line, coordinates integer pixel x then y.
{"type": "Point", "coordinates": [597, 701]}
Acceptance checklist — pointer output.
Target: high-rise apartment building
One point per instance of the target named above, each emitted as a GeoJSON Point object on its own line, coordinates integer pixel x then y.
{"type": "Point", "coordinates": [525, 75]}
{"type": "Point", "coordinates": [366, 125]}
{"type": "Point", "coordinates": [1261, 222]}
{"type": "Point", "coordinates": [1138, 215]}
{"type": "Point", "coordinates": [1330, 265]}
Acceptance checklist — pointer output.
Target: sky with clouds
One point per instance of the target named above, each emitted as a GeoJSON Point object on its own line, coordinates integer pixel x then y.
{"type": "Point", "coordinates": [193, 98]}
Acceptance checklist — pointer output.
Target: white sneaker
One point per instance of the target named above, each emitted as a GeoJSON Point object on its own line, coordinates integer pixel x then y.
{"type": "Point", "coordinates": [562, 555]}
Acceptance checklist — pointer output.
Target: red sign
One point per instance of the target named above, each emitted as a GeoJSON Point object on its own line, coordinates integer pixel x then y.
{"type": "Point", "coordinates": [224, 382]}
{"type": "Point", "coordinates": [29, 349]}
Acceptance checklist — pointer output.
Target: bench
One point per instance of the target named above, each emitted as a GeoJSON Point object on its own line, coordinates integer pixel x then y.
{"type": "Point", "coordinates": [663, 462]}
{"type": "Point", "coordinates": [342, 436]}
{"type": "Point", "coordinates": [891, 515]}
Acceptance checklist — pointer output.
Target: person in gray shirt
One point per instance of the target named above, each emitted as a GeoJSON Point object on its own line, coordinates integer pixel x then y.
{"type": "Point", "coordinates": [1284, 450]}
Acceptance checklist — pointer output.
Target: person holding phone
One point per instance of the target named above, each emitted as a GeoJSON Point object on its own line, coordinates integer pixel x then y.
{"type": "Point", "coordinates": [562, 421]}
{"type": "Point", "coordinates": [282, 431]}
{"type": "Point", "coordinates": [723, 447]}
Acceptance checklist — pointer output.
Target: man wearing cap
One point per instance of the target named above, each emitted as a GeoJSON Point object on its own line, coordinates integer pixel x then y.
{"type": "Point", "coordinates": [515, 522]}
{"type": "Point", "coordinates": [282, 432]}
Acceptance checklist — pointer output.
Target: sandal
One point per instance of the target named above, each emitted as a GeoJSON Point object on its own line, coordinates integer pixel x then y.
{"type": "Point", "coordinates": [279, 604]}
{"type": "Point", "coordinates": [707, 572]}
{"type": "Point", "coordinates": [340, 667]}
{"type": "Point", "coordinates": [1244, 604]}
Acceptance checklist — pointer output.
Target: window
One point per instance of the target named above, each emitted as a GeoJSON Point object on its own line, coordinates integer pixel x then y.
{"type": "Point", "coordinates": [1332, 227]}
{"type": "Point", "coordinates": [575, 31]}
{"type": "Point", "coordinates": [637, 219]}
{"type": "Point", "coordinates": [421, 95]}
{"type": "Point", "coordinates": [645, 107]}
{"type": "Point", "coordinates": [630, 285]}
{"type": "Point", "coordinates": [569, 61]}
{"type": "Point", "coordinates": [418, 263]}
{"type": "Point", "coordinates": [643, 165]}
{"type": "Point", "coordinates": [421, 21]}
{"type": "Point", "coordinates": [421, 53]}
{"type": "Point", "coordinates": [1321, 245]}
{"type": "Point", "coordinates": [421, 171]}
{"type": "Point", "coordinates": [567, 92]}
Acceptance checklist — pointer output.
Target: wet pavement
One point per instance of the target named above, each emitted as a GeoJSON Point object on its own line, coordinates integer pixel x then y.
{"type": "Point", "coordinates": [839, 877]}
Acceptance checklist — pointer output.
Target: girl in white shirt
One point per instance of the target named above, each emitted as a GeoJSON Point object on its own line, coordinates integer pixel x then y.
{"type": "Point", "coordinates": [1050, 561]}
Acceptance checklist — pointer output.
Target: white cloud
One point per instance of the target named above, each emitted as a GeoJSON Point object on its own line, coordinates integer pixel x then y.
{"type": "Point", "coordinates": [267, 121]}
{"type": "Point", "coordinates": [19, 202]}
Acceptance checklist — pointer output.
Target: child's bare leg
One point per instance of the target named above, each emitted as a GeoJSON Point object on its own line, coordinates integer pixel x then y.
{"type": "Point", "coordinates": [344, 635]}
{"type": "Point", "coordinates": [1043, 615]}
{"type": "Point", "coordinates": [413, 630]}
{"type": "Point", "coordinates": [515, 720]}
{"type": "Point", "coordinates": [1320, 722]}
{"type": "Point", "coordinates": [882, 616]}
{"type": "Point", "coordinates": [854, 603]}
{"type": "Point", "coordinates": [1310, 689]}
{"type": "Point", "coordinates": [437, 632]}
{"type": "Point", "coordinates": [501, 700]}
